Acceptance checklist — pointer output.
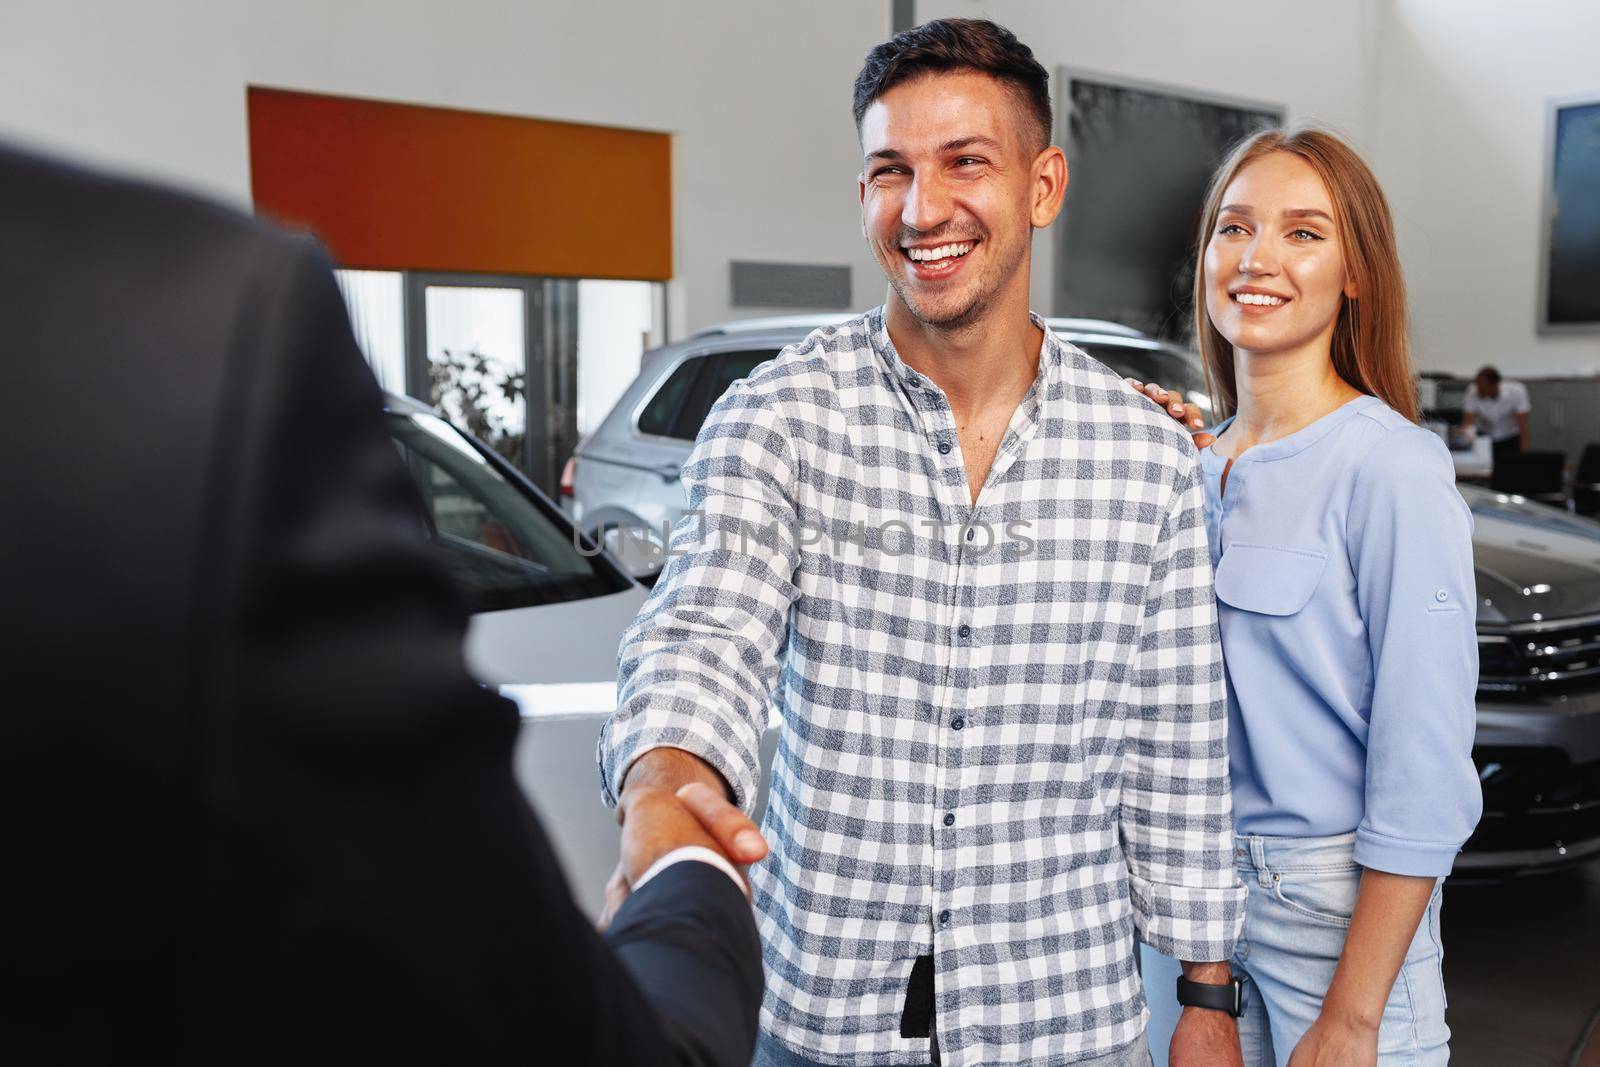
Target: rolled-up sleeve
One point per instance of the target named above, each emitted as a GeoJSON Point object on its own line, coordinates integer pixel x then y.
{"type": "Point", "coordinates": [1410, 538]}
{"type": "Point", "coordinates": [1176, 814]}
{"type": "Point", "coordinates": [699, 665]}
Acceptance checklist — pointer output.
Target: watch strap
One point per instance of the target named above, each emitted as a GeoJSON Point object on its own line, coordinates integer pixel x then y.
{"type": "Point", "coordinates": [1228, 997]}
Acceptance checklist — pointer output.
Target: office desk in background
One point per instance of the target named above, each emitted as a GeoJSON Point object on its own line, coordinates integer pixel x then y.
{"type": "Point", "coordinates": [1475, 462]}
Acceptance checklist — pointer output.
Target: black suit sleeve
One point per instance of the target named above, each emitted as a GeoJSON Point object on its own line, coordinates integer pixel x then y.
{"type": "Point", "coordinates": [694, 962]}
{"type": "Point", "coordinates": [372, 884]}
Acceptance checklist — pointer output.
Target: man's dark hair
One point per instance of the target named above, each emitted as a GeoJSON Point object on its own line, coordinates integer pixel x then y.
{"type": "Point", "coordinates": [958, 45]}
{"type": "Point", "coordinates": [1490, 375]}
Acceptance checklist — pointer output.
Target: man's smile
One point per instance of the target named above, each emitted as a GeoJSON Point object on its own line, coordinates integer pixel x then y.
{"type": "Point", "coordinates": [937, 261]}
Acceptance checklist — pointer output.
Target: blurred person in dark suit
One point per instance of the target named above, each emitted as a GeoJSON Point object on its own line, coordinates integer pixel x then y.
{"type": "Point", "coordinates": [253, 807]}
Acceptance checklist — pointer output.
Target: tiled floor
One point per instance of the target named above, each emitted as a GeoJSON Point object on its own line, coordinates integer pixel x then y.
{"type": "Point", "coordinates": [1522, 969]}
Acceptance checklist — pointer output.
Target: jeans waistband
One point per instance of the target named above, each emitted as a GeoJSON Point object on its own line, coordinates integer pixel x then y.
{"type": "Point", "coordinates": [1258, 852]}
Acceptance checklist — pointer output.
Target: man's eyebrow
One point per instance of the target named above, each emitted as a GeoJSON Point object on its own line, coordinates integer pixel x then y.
{"type": "Point", "coordinates": [968, 142]}
{"type": "Point", "coordinates": [976, 140]}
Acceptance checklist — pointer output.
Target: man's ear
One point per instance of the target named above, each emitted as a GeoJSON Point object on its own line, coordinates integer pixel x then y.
{"type": "Point", "coordinates": [1049, 186]}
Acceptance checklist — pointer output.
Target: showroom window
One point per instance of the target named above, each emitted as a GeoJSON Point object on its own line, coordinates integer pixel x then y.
{"type": "Point", "coordinates": [526, 365]}
{"type": "Point", "coordinates": [376, 299]}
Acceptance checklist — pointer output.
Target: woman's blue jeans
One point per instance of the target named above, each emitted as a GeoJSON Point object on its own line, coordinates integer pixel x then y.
{"type": "Point", "coordinates": [1302, 894]}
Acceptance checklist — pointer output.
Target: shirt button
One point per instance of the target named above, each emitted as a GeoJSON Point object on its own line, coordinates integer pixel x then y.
{"type": "Point", "coordinates": [959, 724]}
{"type": "Point", "coordinates": [913, 379]}
{"type": "Point", "coordinates": [949, 818]}
{"type": "Point", "coordinates": [944, 448]}
{"type": "Point", "coordinates": [964, 633]}
{"type": "Point", "coordinates": [944, 917]}
{"type": "Point", "coordinates": [1441, 596]}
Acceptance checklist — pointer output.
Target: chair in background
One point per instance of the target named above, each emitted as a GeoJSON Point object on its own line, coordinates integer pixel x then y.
{"type": "Point", "coordinates": [1537, 476]}
{"type": "Point", "coordinates": [1586, 484]}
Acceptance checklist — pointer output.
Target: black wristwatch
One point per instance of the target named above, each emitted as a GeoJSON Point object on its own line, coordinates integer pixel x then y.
{"type": "Point", "coordinates": [1228, 998]}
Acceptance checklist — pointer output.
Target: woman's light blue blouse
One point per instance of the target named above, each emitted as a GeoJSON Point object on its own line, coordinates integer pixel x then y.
{"type": "Point", "coordinates": [1346, 600]}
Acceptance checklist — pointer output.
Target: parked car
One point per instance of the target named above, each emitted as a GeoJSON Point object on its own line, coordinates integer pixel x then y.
{"type": "Point", "coordinates": [538, 594]}
{"type": "Point", "coordinates": [546, 621]}
{"type": "Point", "coordinates": [1538, 573]}
{"type": "Point", "coordinates": [623, 483]}
{"type": "Point", "coordinates": [1538, 741]}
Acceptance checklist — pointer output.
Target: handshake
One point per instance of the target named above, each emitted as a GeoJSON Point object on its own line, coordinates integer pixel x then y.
{"type": "Point", "coordinates": [672, 800]}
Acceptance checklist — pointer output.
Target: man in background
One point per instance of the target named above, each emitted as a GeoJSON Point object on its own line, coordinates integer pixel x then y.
{"type": "Point", "coordinates": [1499, 408]}
{"type": "Point", "coordinates": [253, 808]}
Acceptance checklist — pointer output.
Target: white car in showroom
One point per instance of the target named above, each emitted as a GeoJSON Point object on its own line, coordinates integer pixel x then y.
{"type": "Point", "coordinates": [546, 618]}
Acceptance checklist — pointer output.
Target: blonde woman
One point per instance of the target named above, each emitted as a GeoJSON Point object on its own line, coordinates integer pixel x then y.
{"type": "Point", "coordinates": [1345, 596]}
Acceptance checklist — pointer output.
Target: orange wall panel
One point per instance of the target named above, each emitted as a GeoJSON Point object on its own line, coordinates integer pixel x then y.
{"type": "Point", "coordinates": [404, 187]}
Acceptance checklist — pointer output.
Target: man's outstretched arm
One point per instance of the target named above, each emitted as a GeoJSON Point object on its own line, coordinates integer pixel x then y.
{"type": "Point", "coordinates": [699, 665]}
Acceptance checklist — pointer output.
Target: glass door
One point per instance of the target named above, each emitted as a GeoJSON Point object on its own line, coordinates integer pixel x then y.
{"type": "Point", "coordinates": [474, 351]}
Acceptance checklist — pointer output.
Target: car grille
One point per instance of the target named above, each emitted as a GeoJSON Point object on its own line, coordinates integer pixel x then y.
{"type": "Point", "coordinates": [1532, 660]}
{"type": "Point", "coordinates": [1534, 798]}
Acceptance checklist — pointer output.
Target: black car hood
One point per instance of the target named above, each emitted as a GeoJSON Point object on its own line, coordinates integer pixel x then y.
{"type": "Point", "coordinates": [1534, 562]}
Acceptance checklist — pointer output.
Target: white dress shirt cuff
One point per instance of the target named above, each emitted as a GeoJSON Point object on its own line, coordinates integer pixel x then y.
{"type": "Point", "coordinates": [698, 853]}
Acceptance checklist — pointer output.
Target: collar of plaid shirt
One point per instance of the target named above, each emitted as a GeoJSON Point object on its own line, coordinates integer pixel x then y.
{"type": "Point", "coordinates": [1002, 735]}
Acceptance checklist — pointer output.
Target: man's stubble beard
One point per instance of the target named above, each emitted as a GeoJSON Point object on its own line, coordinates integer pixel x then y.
{"type": "Point", "coordinates": [983, 297]}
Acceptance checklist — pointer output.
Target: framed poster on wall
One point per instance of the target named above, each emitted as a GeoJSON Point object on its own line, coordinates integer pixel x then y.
{"type": "Point", "coordinates": [1569, 289]}
{"type": "Point", "coordinates": [1139, 157]}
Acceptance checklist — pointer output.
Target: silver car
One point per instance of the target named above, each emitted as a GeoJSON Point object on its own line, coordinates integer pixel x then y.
{"type": "Point", "coordinates": [623, 484]}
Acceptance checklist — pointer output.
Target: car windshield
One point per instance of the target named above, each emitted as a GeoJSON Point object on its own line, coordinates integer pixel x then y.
{"type": "Point", "coordinates": [497, 540]}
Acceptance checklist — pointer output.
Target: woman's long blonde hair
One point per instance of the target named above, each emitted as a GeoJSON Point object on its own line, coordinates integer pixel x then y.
{"type": "Point", "coordinates": [1371, 340]}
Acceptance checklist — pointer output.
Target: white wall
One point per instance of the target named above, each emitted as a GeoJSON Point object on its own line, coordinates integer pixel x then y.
{"type": "Point", "coordinates": [757, 93]}
{"type": "Point", "coordinates": [1461, 152]}
{"type": "Point", "coordinates": [1445, 97]}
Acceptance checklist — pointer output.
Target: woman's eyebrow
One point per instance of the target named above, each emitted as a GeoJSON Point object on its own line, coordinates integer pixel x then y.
{"type": "Point", "coordinates": [1292, 213]}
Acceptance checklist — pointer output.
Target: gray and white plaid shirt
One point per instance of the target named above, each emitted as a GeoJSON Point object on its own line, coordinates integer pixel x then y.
{"type": "Point", "coordinates": [1004, 729]}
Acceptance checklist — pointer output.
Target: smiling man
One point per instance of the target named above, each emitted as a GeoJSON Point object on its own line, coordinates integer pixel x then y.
{"type": "Point", "coordinates": [1003, 729]}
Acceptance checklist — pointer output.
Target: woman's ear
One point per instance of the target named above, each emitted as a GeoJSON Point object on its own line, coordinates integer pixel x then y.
{"type": "Point", "coordinates": [1351, 289]}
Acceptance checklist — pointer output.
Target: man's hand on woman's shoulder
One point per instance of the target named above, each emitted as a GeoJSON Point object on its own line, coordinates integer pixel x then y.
{"type": "Point", "coordinates": [1171, 401]}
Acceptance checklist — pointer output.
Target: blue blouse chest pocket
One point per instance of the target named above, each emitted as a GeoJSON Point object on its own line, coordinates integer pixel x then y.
{"type": "Point", "coordinates": [1268, 580]}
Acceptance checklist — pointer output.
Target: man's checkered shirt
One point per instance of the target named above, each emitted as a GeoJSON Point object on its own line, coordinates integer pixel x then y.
{"type": "Point", "coordinates": [1004, 729]}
